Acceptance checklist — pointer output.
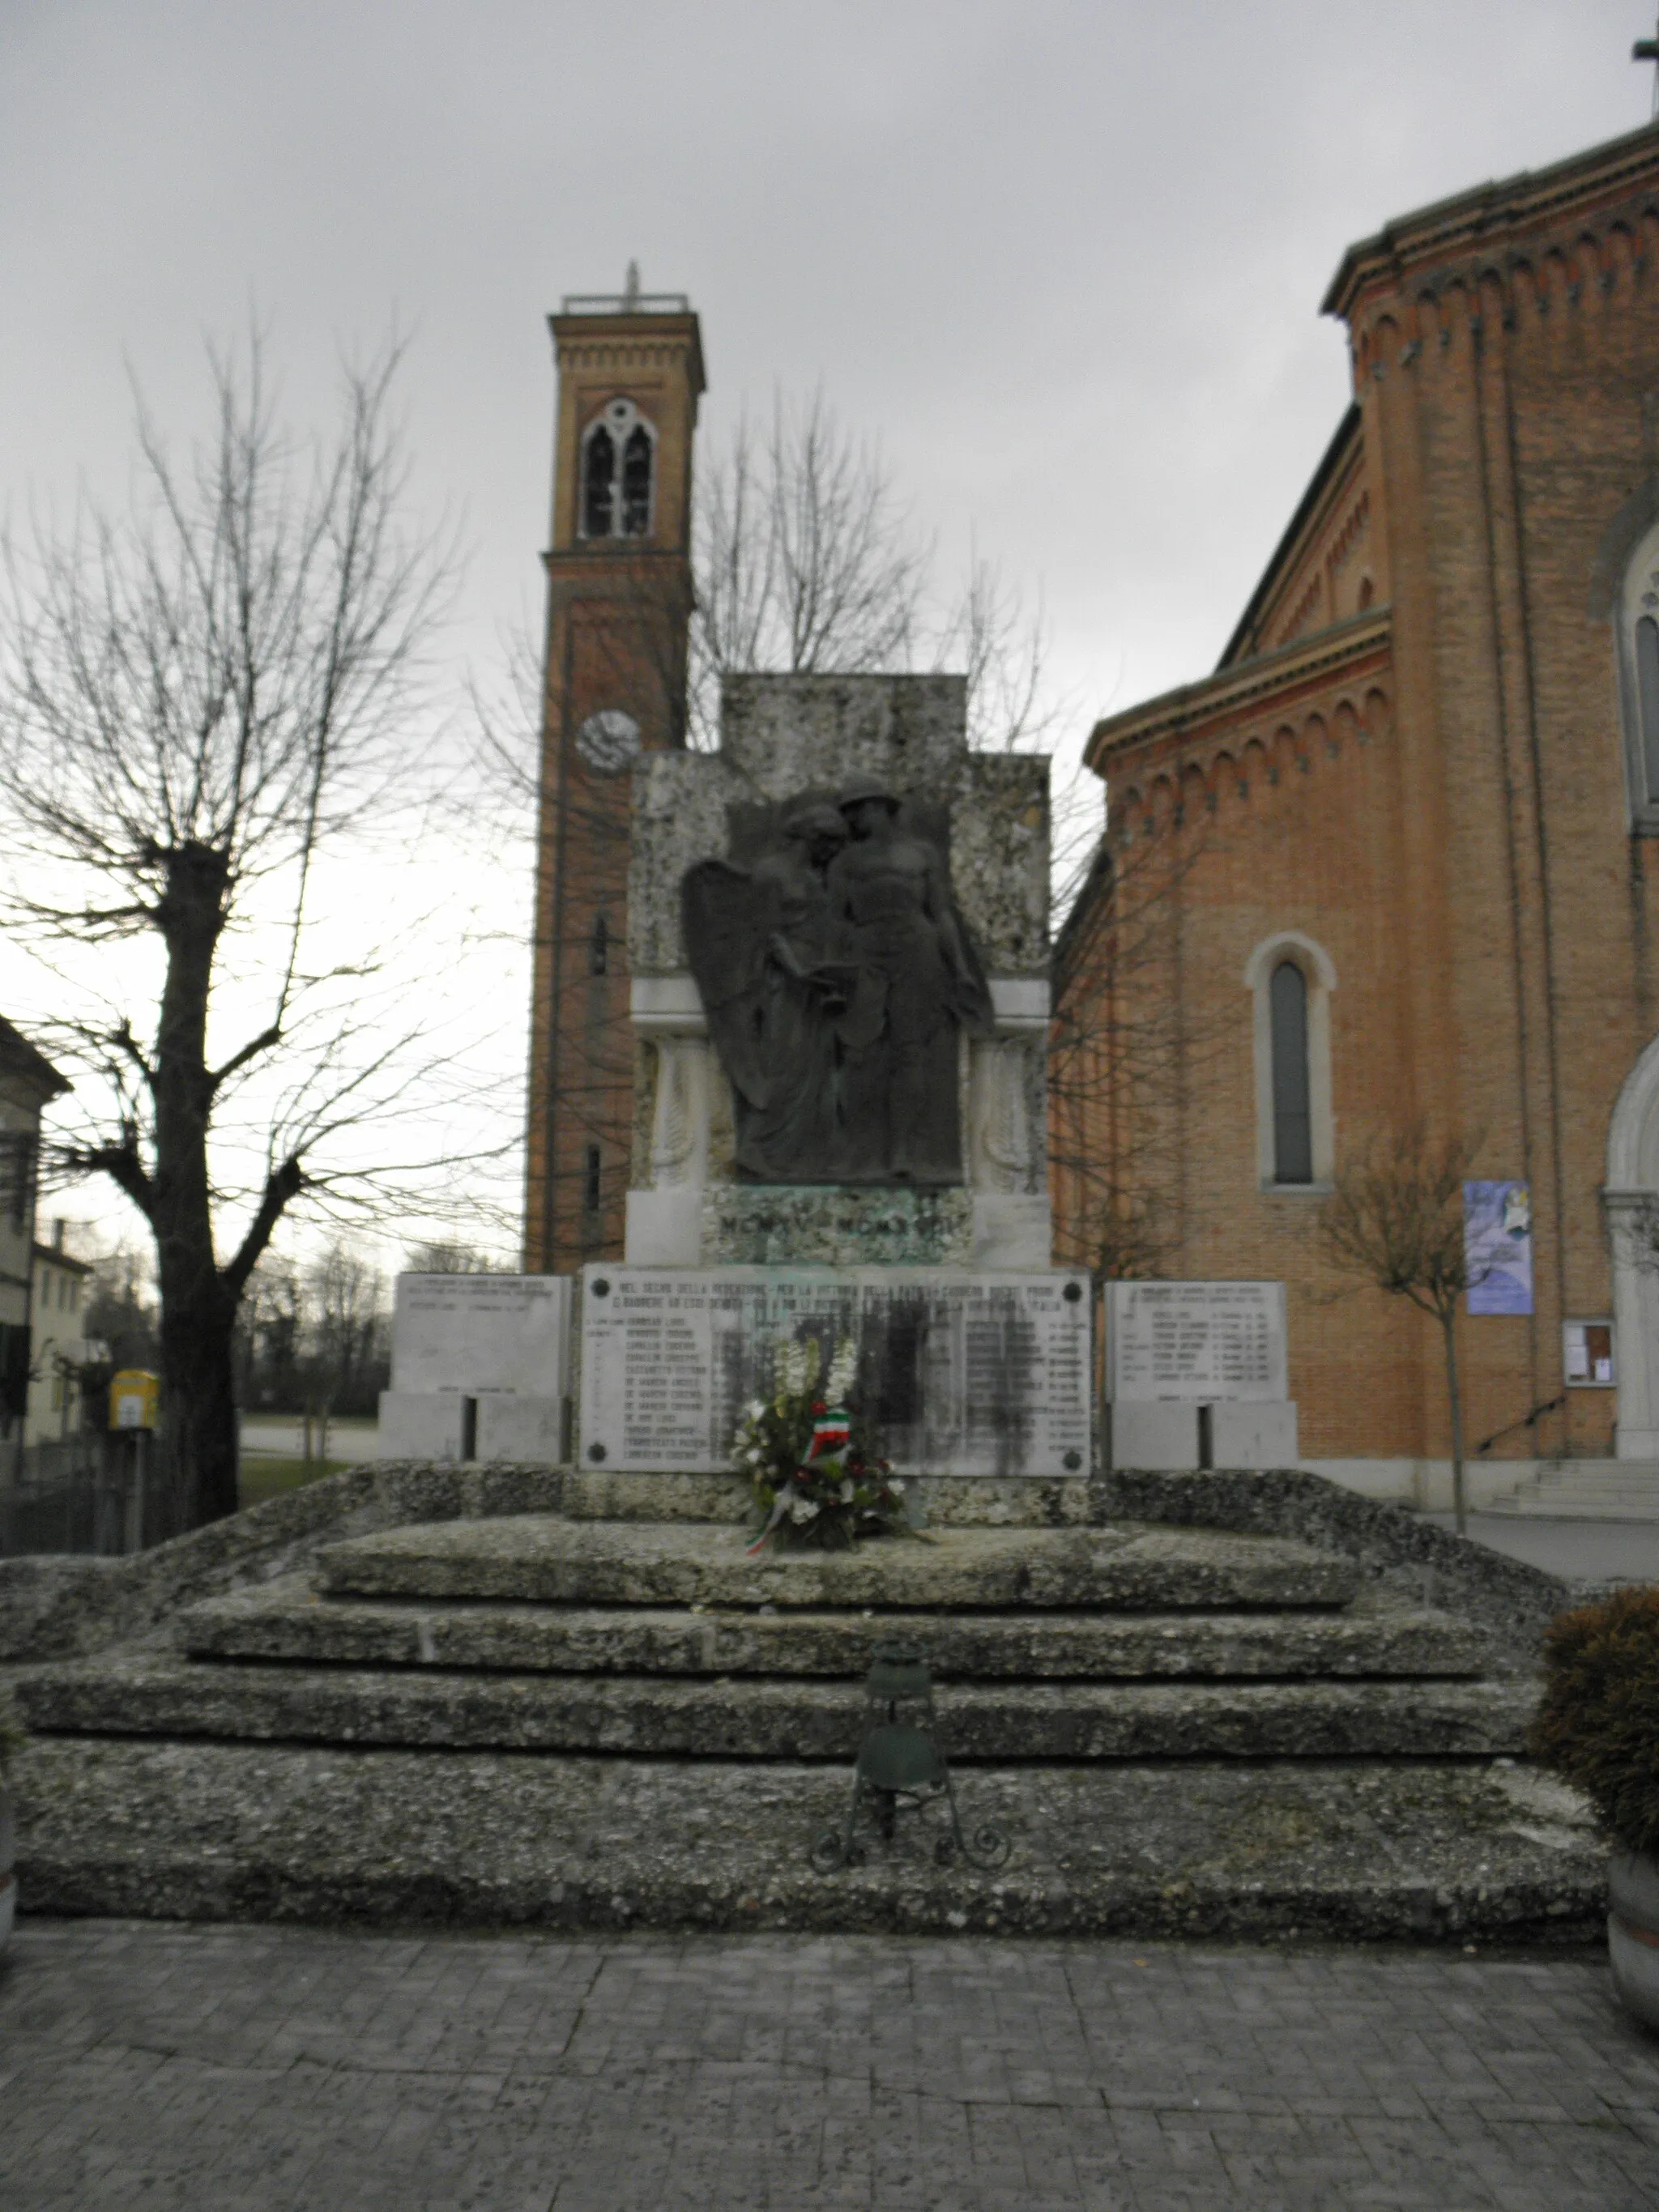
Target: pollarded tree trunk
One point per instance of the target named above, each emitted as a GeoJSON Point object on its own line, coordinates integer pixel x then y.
{"type": "Point", "coordinates": [198, 1404]}
{"type": "Point", "coordinates": [1455, 1400]}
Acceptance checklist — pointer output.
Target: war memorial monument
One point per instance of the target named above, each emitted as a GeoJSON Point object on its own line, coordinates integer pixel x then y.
{"type": "Point", "coordinates": [534, 1668]}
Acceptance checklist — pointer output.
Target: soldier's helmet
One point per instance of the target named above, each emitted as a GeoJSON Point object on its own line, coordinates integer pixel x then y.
{"type": "Point", "coordinates": [863, 787]}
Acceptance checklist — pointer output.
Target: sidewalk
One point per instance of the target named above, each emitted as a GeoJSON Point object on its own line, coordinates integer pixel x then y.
{"type": "Point", "coordinates": [265, 2069]}
{"type": "Point", "coordinates": [1579, 1551]}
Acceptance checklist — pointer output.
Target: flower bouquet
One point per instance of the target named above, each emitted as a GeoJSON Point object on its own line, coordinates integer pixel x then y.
{"type": "Point", "coordinates": [818, 1476]}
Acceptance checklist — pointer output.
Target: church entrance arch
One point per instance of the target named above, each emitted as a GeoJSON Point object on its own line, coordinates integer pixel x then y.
{"type": "Point", "coordinates": [1631, 1196]}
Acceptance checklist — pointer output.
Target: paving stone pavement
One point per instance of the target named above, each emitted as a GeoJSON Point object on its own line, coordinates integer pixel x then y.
{"type": "Point", "coordinates": [280, 2070]}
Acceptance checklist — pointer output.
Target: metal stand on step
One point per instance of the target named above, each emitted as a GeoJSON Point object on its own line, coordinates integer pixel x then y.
{"type": "Point", "coordinates": [900, 1759]}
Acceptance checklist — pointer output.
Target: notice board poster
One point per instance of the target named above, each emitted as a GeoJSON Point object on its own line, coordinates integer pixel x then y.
{"type": "Point", "coordinates": [1498, 1247]}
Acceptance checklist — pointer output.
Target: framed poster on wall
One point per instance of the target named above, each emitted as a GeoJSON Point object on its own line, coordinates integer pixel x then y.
{"type": "Point", "coordinates": [1498, 1247]}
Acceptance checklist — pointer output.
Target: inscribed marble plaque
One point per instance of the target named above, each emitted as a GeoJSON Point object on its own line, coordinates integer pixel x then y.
{"type": "Point", "coordinates": [1195, 1343]}
{"type": "Point", "coordinates": [965, 1374]}
{"type": "Point", "coordinates": [482, 1334]}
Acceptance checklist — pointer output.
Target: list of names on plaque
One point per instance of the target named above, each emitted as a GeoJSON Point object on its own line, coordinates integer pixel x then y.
{"type": "Point", "coordinates": [506, 1334]}
{"type": "Point", "coordinates": [1201, 1343]}
{"type": "Point", "coordinates": [981, 1374]}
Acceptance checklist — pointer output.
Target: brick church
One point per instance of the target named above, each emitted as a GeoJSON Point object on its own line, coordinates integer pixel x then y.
{"type": "Point", "coordinates": [1394, 862]}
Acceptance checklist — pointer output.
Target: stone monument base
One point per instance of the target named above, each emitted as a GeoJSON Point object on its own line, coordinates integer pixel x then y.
{"type": "Point", "coordinates": [1174, 1439]}
{"type": "Point", "coordinates": [456, 1425]}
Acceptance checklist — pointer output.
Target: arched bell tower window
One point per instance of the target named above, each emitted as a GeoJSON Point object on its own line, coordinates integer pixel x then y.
{"type": "Point", "coordinates": [1291, 980]}
{"type": "Point", "coordinates": [618, 473]}
{"type": "Point", "coordinates": [1638, 680]}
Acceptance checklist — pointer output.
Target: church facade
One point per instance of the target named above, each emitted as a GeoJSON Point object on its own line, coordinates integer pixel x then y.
{"type": "Point", "coordinates": [1394, 865]}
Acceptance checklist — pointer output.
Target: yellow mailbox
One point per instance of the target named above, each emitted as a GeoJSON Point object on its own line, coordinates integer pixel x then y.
{"type": "Point", "coordinates": [135, 1396]}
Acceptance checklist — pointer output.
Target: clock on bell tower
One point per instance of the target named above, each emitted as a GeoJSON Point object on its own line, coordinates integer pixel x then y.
{"type": "Point", "coordinates": [618, 602]}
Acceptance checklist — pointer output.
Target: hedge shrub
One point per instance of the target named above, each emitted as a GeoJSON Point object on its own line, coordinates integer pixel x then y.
{"type": "Point", "coordinates": [1598, 1726]}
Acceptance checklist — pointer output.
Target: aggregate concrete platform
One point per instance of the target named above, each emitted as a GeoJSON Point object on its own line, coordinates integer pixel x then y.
{"type": "Point", "coordinates": [795, 1717]}
{"type": "Point", "coordinates": [564, 1718]}
{"type": "Point", "coordinates": [218, 1830]}
{"type": "Point", "coordinates": [286, 1619]}
{"type": "Point", "coordinates": [552, 1561]}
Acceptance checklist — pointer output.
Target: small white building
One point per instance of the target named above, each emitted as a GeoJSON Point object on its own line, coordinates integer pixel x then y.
{"type": "Point", "coordinates": [29, 1082]}
{"type": "Point", "coordinates": [58, 1349]}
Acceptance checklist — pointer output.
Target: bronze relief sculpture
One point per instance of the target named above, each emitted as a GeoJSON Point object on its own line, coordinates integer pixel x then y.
{"type": "Point", "coordinates": [836, 974]}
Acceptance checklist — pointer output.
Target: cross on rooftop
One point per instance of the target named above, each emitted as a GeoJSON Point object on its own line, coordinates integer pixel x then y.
{"type": "Point", "coordinates": [1647, 50]}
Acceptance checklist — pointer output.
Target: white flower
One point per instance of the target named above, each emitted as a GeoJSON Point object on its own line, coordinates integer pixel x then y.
{"type": "Point", "coordinates": [842, 1368]}
{"type": "Point", "coordinates": [847, 1492]}
{"type": "Point", "coordinates": [754, 1409]}
{"type": "Point", "coordinates": [755, 1457]}
{"type": "Point", "coordinates": [803, 1509]}
{"type": "Point", "coordinates": [896, 1486]}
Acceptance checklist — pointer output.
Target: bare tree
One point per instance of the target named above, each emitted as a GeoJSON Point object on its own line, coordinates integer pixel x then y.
{"type": "Point", "coordinates": [200, 698]}
{"type": "Point", "coordinates": [448, 1257]}
{"type": "Point", "coordinates": [1395, 1219]}
{"type": "Point", "coordinates": [1130, 1058]}
{"type": "Point", "coordinates": [806, 560]}
{"type": "Point", "coordinates": [346, 1297]}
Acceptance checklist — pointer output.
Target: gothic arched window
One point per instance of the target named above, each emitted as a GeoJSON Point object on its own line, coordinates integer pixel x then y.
{"type": "Point", "coordinates": [1291, 980]}
{"type": "Point", "coordinates": [618, 473]}
{"type": "Point", "coordinates": [1287, 996]}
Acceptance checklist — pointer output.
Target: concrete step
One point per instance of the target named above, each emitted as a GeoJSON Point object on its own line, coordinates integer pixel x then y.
{"type": "Point", "coordinates": [545, 1559]}
{"type": "Point", "coordinates": [1569, 1507]}
{"type": "Point", "coordinates": [942, 1500]}
{"type": "Point", "coordinates": [285, 1621]}
{"type": "Point", "coordinates": [1591, 1490]}
{"type": "Point", "coordinates": [766, 1718]}
{"type": "Point", "coordinates": [1437, 1851]}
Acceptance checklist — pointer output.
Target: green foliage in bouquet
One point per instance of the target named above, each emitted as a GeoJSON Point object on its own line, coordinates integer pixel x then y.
{"type": "Point", "coordinates": [815, 1468]}
{"type": "Point", "coordinates": [1598, 1725]}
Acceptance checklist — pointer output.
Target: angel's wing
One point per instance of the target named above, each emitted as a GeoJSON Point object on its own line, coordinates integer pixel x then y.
{"type": "Point", "coordinates": [722, 910]}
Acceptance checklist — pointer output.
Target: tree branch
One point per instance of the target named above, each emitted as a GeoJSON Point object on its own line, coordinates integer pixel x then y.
{"type": "Point", "coordinates": [282, 1185]}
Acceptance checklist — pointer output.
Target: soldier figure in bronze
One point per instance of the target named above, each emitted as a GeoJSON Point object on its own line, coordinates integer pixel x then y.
{"type": "Point", "coordinates": [836, 973]}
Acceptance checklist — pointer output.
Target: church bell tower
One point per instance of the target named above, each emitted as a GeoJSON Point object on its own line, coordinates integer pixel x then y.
{"type": "Point", "coordinates": [618, 602]}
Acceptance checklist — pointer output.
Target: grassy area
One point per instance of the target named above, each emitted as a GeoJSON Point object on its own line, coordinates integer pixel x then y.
{"type": "Point", "coordinates": [268, 1474]}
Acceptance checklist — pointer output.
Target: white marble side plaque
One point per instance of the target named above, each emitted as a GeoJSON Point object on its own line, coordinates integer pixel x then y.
{"type": "Point", "coordinates": [480, 1334]}
{"type": "Point", "coordinates": [1195, 1343]}
{"type": "Point", "coordinates": [966, 1373]}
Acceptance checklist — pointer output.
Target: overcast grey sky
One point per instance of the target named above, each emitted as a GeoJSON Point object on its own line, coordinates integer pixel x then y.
{"type": "Point", "coordinates": [1064, 259]}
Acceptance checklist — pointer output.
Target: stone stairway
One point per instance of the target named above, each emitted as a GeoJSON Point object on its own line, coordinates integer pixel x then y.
{"type": "Point", "coordinates": [1180, 1726]}
{"type": "Point", "coordinates": [1586, 1490]}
